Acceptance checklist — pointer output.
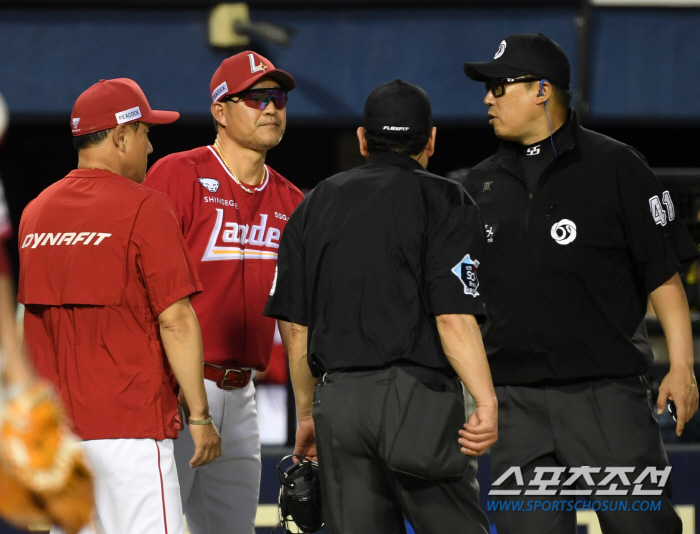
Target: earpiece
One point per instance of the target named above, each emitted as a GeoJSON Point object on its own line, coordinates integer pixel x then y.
{"type": "Point", "coordinates": [549, 124]}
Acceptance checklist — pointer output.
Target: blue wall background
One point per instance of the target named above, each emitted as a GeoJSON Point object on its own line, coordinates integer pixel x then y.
{"type": "Point", "coordinates": [644, 62]}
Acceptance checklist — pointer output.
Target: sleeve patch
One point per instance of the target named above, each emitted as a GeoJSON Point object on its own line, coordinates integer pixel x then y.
{"type": "Point", "coordinates": [465, 270]}
{"type": "Point", "coordinates": [662, 216]}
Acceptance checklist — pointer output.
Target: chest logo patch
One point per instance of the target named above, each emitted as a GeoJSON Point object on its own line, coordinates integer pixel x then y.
{"type": "Point", "coordinates": [533, 150]}
{"type": "Point", "coordinates": [487, 187]}
{"type": "Point", "coordinates": [564, 232]}
{"type": "Point", "coordinates": [465, 270]}
{"type": "Point", "coordinates": [490, 230]}
{"type": "Point", "coordinates": [210, 184]}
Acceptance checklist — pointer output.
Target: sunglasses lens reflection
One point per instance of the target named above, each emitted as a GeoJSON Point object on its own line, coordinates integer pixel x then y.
{"type": "Point", "coordinates": [260, 99]}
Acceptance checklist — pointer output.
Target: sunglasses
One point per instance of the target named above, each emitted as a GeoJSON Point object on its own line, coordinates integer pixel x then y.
{"type": "Point", "coordinates": [497, 86]}
{"type": "Point", "coordinates": [259, 98]}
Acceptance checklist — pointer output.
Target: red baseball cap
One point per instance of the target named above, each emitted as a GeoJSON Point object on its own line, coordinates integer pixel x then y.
{"type": "Point", "coordinates": [239, 72]}
{"type": "Point", "coordinates": [110, 103]}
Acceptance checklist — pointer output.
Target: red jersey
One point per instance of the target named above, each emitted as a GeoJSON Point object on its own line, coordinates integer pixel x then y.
{"type": "Point", "coordinates": [100, 258]}
{"type": "Point", "coordinates": [233, 237]}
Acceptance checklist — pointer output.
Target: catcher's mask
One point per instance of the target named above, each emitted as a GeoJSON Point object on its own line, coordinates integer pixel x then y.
{"type": "Point", "coordinates": [300, 495]}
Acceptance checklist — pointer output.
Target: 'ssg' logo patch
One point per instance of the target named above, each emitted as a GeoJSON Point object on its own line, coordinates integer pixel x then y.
{"type": "Point", "coordinates": [210, 184]}
{"type": "Point", "coordinates": [465, 270]}
{"type": "Point", "coordinates": [490, 230]}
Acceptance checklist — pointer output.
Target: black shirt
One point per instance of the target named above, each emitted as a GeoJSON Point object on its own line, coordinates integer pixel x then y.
{"type": "Point", "coordinates": [571, 263]}
{"type": "Point", "coordinates": [371, 256]}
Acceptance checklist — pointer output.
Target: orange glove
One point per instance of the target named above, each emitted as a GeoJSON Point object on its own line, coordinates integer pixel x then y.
{"type": "Point", "coordinates": [43, 475]}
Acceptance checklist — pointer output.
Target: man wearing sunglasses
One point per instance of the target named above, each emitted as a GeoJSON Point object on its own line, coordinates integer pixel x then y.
{"type": "Point", "coordinates": [579, 234]}
{"type": "Point", "coordinates": [232, 209]}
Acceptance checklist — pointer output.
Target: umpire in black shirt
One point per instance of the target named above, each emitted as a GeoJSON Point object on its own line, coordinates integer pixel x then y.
{"type": "Point", "coordinates": [378, 270]}
{"type": "Point", "coordinates": [579, 234]}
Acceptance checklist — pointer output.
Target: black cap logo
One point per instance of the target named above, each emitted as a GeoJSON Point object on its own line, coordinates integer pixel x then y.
{"type": "Point", "coordinates": [398, 107]}
{"type": "Point", "coordinates": [501, 49]}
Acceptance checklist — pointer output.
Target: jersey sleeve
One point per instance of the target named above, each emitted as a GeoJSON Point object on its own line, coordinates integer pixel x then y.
{"type": "Point", "coordinates": [168, 272]}
{"type": "Point", "coordinates": [171, 176]}
{"type": "Point", "coordinates": [659, 241]}
{"type": "Point", "coordinates": [455, 247]}
{"type": "Point", "coordinates": [288, 300]}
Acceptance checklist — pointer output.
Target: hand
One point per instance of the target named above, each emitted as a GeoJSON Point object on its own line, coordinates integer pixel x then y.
{"type": "Point", "coordinates": [207, 444]}
{"type": "Point", "coordinates": [306, 439]}
{"type": "Point", "coordinates": [680, 386]}
{"type": "Point", "coordinates": [480, 432]}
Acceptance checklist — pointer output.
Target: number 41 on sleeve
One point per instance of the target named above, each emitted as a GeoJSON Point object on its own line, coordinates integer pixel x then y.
{"type": "Point", "coordinates": [660, 215]}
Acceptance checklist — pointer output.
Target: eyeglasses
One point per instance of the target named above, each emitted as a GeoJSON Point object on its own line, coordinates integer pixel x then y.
{"type": "Point", "coordinates": [498, 85]}
{"type": "Point", "coordinates": [260, 98]}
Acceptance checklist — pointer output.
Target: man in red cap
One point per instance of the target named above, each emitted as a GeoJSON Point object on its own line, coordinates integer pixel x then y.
{"type": "Point", "coordinates": [232, 210]}
{"type": "Point", "coordinates": [106, 278]}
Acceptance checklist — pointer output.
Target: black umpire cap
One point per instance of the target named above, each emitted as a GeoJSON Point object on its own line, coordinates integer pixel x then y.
{"type": "Point", "coordinates": [398, 107]}
{"type": "Point", "coordinates": [521, 54]}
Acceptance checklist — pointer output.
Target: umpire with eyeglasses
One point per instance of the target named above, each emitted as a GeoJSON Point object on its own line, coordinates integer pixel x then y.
{"type": "Point", "coordinates": [378, 274]}
{"type": "Point", "coordinates": [580, 234]}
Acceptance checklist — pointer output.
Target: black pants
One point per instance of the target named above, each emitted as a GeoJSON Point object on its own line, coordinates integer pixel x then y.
{"type": "Point", "coordinates": [602, 423]}
{"type": "Point", "coordinates": [360, 494]}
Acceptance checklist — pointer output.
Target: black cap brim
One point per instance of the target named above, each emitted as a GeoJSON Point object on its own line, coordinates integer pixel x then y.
{"type": "Point", "coordinates": [482, 72]}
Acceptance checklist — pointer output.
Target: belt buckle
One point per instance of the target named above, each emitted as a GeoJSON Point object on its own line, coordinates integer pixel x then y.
{"type": "Point", "coordinates": [223, 380]}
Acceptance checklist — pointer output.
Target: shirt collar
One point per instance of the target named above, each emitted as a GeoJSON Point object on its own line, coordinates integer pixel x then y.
{"type": "Point", "coordinates": [94, 173]}
{"type": "Point", "coordinates": [564, 140]}
{"type": "Point", "coordinates": [393, 158]}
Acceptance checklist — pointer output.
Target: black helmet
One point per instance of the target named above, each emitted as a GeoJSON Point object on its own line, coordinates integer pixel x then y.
{"type": "Point", "coordinates": [300, 495]}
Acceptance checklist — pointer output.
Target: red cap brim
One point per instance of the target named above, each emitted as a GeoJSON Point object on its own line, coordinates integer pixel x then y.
{"type": "Point", "coordinates": [160, 117]}
{"type": "Point", "coordinates": [283, 78]}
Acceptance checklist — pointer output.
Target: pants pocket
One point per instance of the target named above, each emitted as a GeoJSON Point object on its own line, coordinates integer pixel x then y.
{"type": "Point", "coordinates": [419, 429]}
